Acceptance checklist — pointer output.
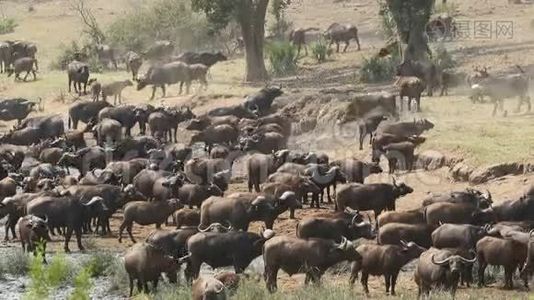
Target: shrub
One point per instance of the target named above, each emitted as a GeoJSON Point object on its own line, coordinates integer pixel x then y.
{"type": "Point", "coordinates": [387, 23]}
{"type": "Point", "coordinates": [161, 20]}
{"type": "Point", "coordinates": [99, 263]}
{"type": "Point", "coordinates": [320, 50]}
{"type": "Point", "coordinates": [7, 25]}
{"type": "Point", "coordinates": [449, 8]}
{"type": "Point", "coordinates": [117, 275]}
{"type": "Point", "coordinates": [283, 58]}
{"type": "Point", "coordinates": [82, 285]}
{"type": "Point", "coordinates": [14, 262]}
{"type": "Point", "coordinates": [43, 277]}
{"type": "Point", "coordinates": [378, 69]}
{"type": "Point", "coordinates": [442, 58]}
{"type": "Point", "coordinates": [280, 24]}
{"type": "Point", "coordinates": [74, 51]}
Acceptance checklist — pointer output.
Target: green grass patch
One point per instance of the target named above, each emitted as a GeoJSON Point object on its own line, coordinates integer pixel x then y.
{"type": "Point", "coordinates": [7, 25]}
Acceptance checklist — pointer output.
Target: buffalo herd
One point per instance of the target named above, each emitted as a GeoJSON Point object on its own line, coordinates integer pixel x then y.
{"type": "Point", "coordinates": [56, 180]}
{"type": "Point", "coordinates": [64, 179]}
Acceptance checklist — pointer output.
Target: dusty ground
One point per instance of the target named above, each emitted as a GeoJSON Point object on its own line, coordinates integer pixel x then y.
{"type": "Point", "coordinates": [462, 129]}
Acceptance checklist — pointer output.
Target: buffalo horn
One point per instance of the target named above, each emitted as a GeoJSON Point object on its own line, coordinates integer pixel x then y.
{"type": "Point", "coordinates": [441, 262]}
{"type": "Point", "coordinates": [343, 243]}
{"type": "Point", "coordinates": [218, 291]}
{"type": "Point", "coordinates": [353, 221]}
{"type": "Point", "coordinates": [488, 195]}
{"type": "Point", "coordinates": [468, 260]}
{"type": "Point", "coordinates": [183, 259]}
{"type": "Point", "coordinates": [94, 200]}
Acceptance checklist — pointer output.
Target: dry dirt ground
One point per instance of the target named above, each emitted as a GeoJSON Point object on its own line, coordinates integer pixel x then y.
{"type": "Point", "coordinates": [462, 129]}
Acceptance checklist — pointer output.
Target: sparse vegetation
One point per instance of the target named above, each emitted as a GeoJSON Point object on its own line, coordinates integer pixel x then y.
{"type": "Point", "coordinates": [280, 25]}
{"type": "Point", "coordinates": [449, 8]}
{"type": "Point", "coordinates": [15, 262]}
{"type": "Point", "coordinates": [378, 69]}
{"type": "Point", "coordinates": [82, 284]}
{"type": "Point", "coordinates": [282, 57]}
{"type": "Point", "coordinates": [442, 58]}
{"type": "Point", "coordinates": [100, 262]}
{"type": "Point", "coordinates": [117, 275]}
{"type": "Point", "coordinates": [84, 53]}
{"type": "Point", "coordinates": [320, 50]}
{"type": "Point", "coordinates": [7, 25]}
{"type": "Point", "coordinates": [161, 20]}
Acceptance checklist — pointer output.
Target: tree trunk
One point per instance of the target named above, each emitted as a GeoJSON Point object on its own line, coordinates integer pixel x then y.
{"type": "Point", "coordinates": [252, 21]}
{"type": "Point", "coordinates": [417, 48]}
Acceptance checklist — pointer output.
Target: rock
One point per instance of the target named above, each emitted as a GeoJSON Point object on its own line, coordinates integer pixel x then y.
{"type": "Point", "coordinates": [485, 174]}
{"type": "Point", "coordinates": [461, 171]}
{"type": "Point", "coordinates": [430, 160]}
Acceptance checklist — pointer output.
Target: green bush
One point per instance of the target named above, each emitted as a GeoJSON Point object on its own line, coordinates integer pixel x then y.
{"type": "Point", "coordinates": [44, 278]}
{"type": "Point", "coordinates": [378, 69]}
{"type": "Point", "coordinates": [171, 20]}
{"type": "Point", "coordinates": [74, 51]}
{"type": "Point", "coordinates": [82, 285]}
{"type": "Point", "coordinates": [320, 50]}
{"type": "Point", "coordinates": [7, 25]}
{"type": "Point", "coordinates": [283, 58]}
{"type": "Point", "coordinates": [100, 262]}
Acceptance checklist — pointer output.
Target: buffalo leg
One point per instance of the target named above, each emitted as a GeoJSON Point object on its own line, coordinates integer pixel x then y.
{"type": "Point", "coordinates": [495, 105]}
{"type": "Point", "coordinates": [6, 236]}
{"type": "Point", "coordinates": [250, 185]}
{"type": "Point", "coordinates": [163, 90]}
{"type": "Point", "coordinates": [328, 194]}
{"type": "Point", "coordinates": [387, 281]}
{"type": "Point", "coordinates": [181, 87]}
{"type": "Point", "coordinates": [155, 283]}
{"type": "Point", "coordinates": [346, 46]}
{"type": "Point", "coordinates": [187, 87]}
{"type": "Point", "coordinates": [271, 274]}
{"type": "Point", "coordinates": [362, 136]}
{"type": "Point", "coordinates": [393, 279]}
{"type": "Point", "coordinates": [508, 273]}
{"type": "Point", "coordinates": [131, 285]}
{"type": "Point", "coordinates": [68, 235]}
{"type": "Point", "coordinates": [139, 285]}
{"type": "Point", "coordinates": [153, 92]}
{"type": "Point", "coordinates": [418, 101]}
{"type": "Point", "coordinates": [358, 42]}
{"type": "Point", "coordinates": [129, 229]}
{"type": "Point", "coordinates": [121, 229]}
{"type": "Point", "coordinates": [26, 76]}
{"type": "Point", "coordinates": [78, 232]}
{"type": "Point", "coordinates": [145, 287]}
{"type": "Point", "coordinates": [365, 277]}
{"type": "Point", "coordinates": [481, 268]}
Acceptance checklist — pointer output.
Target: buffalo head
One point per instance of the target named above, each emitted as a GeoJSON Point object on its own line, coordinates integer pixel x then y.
{"type": "Point", "coordinates": [39, 227]}
{"type": "Point", "coordinates": [401, 189]}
